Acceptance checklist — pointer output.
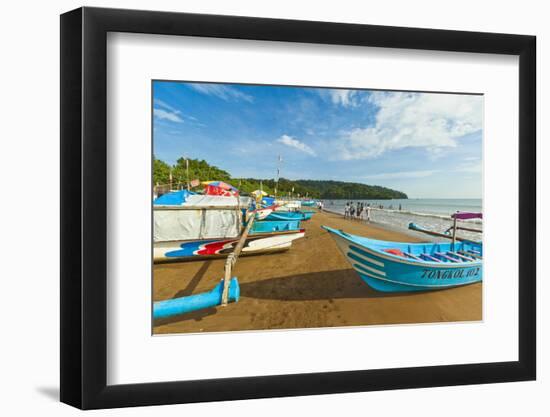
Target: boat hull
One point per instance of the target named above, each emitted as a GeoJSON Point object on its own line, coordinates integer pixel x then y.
{"type": "Point", "coordinates": [390, 273]}
{"type": "Point", "coordinates": [289, 215]}
{"type": "Point", "coordinates": [217, 248]}
{"type": "Point", "coordinates": [277, 226]}
{"type": "Point", "coordinates": [263, 213]}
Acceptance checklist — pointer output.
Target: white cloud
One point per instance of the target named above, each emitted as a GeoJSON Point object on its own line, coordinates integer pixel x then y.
{"type": "Point", "coordinates": [168, 112]}
{"type": "Point", "coordinates": [165, 105]}
{"type": "Point", "coordinates": [406, 120]}
{"type": "Point", "coordinates": [341, 97]}
{"type": "Point", "coordinates": [295, 143]}
{"type": "Point", "coordinates": [346, 98]}
{"type": "Point", "coordinates": [401, 174]}
{"type": "Point", "coordinates": [222, 91]}
{"type": "Point", "coordinates": [167, 115]}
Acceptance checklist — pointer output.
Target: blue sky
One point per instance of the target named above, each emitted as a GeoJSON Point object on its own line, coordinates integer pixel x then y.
{"type": "Point", "coordinates": [427, 145]}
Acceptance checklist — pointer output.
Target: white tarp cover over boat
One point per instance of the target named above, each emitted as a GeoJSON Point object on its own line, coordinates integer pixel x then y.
{"type": "Point", "coordinates": [199, 217]}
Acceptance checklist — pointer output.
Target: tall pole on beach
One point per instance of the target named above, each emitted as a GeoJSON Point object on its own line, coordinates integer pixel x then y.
{"type": "Point", "coordinates": [187, 170]}
{"type": "Point", "coordinates": [454, 232]}
{"type": "Point", "coordinates": [170, 179]}
{"type": "Point", "coordinates": [279, 160]}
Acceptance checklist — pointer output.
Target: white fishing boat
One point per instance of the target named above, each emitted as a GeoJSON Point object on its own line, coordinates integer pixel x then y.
{"type": "Point", "coordinates": [191, 226]}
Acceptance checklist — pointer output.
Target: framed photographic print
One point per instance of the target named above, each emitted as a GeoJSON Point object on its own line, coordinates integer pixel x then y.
{"type": "Point", "coordinates": [257, 208]}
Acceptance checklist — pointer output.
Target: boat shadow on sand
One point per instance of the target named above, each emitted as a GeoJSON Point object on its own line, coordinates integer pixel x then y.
{"type": "Point", "coordinates": [322, 285]}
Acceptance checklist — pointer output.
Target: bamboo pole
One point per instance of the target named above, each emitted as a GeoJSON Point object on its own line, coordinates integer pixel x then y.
{"type": "Point", "coordinates": [429, 232]}
{"type": "Point", "coordinates": [454, 234]}
{"type": "Point", "coordinates": [232, 259]}
{"type": "Point", "coordinates": [469, 230]}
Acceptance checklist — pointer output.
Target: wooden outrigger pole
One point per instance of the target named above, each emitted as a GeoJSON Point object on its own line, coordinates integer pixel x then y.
{"type": "Point", "coordinates": [454, 233]}
{"type": "Point", "coordinates": [456, 216]}
{"type": "Point", "coordinates": [416, 228]}
{"type": "Point", "coordinates": [232, 259]}
{"type": "Point", "coordinates": [468, 229]}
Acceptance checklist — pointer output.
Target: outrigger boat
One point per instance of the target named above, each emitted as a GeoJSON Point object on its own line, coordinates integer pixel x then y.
{"type": "Point", "coordinates": [191, 226]}
{"type": "Point", "coordinates": [290, 215]}
{"type": "Point", "coordinates": [404, 267]}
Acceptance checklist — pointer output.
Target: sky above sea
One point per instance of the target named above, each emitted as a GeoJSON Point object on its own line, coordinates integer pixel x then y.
{"type": "Point", "coordinates": [428, 145]}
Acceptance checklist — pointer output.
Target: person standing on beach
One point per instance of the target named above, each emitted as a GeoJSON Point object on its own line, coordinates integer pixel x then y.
{"type": "Point", "coordinates": [346, 211]}
{"type": "Point", "coordinates": [359, 211]}
{"type": "Point", "coordinates": [351, 211]}
{"type": "Point", "coordinates": [367, 213]}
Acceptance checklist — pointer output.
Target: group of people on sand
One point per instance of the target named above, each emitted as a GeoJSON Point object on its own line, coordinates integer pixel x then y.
{"type": "Point", "coordinates": [357, 211]}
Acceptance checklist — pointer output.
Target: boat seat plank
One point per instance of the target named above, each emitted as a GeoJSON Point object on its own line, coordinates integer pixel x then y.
{"type": "Point", "coordinates": [442, 255]}
{"type": "Point", "coordinates": [430, 258]}
{"type": "Point", "coordinates": [453, 256]}
{"type": "Point", "coordinates": [460, 256]}
{"type": "Point", "coordinates": [410, 255]}
{"type": "Point", "coordinates": [473, 254]}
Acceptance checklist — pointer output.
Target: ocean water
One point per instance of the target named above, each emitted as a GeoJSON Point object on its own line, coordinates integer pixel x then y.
{"type": "Point", "coordinates": [431, 213]}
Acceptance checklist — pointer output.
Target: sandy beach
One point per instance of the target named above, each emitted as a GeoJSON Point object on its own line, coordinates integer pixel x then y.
{"type": "Point", "coordinates": [311, 285]}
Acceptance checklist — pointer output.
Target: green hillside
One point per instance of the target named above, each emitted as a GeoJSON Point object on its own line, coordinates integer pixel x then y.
{"type": "Point", "coordinates": [320, 189]}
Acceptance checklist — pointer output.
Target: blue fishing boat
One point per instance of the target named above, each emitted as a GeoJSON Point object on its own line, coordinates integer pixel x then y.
{"type": "Point", "coordinates": [308, 203]}
{"type": "Point", "coordinates": [308, 214]}
{"type": "Point", "coordinates": [289, 215]}
{"type": "Point", "coordinates": [267, 226]}
{"type": "Point", "coordinates": [402, 267]}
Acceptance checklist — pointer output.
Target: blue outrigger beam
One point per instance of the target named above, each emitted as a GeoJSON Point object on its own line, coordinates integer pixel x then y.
{"type": "Point", "coordinates": [182, 305]}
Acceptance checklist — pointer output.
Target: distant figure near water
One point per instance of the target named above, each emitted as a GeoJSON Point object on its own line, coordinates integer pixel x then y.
{"type": "Point", "coordinates": [359, 211]}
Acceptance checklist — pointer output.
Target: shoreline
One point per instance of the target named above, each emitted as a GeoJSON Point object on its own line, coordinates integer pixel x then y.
{"type": "Point", "coordinates": [309, 286]}
{"type": "Point", "coordinates": [408, 234]}
{"type": "Point", "coordinates": [395, 219]}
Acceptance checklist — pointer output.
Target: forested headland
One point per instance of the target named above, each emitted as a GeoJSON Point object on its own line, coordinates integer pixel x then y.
{"type": "Point", "coordinates": [317, 189]}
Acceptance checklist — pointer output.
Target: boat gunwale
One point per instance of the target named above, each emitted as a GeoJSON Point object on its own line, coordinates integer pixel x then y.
{"type": "Point", "coordinates": [399, 259]}
{"type": "Point", "coordinates": [257, 235]}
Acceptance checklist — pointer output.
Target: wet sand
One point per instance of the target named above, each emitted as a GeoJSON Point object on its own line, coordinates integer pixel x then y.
{"type": "Point", "coordinates": [311, 285]}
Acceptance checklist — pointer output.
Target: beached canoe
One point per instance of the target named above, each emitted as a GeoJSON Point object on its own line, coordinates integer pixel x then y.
{"type": "Point", "coordinates": [210, 248]}
{"type": "Point", "coordinates": [397, 267]}
{"type": "Point", "coordinates": [308, 203]}
{"type": "Point", "coordinates": [267, 226]}
{"type": "Point", "coordinates": [289, 215]}
{"type": "Point", "coordinates": [263, 212]}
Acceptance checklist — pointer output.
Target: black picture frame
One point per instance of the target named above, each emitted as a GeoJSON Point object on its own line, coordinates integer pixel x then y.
{"type": "Point", "coordinates": [84, 207]}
